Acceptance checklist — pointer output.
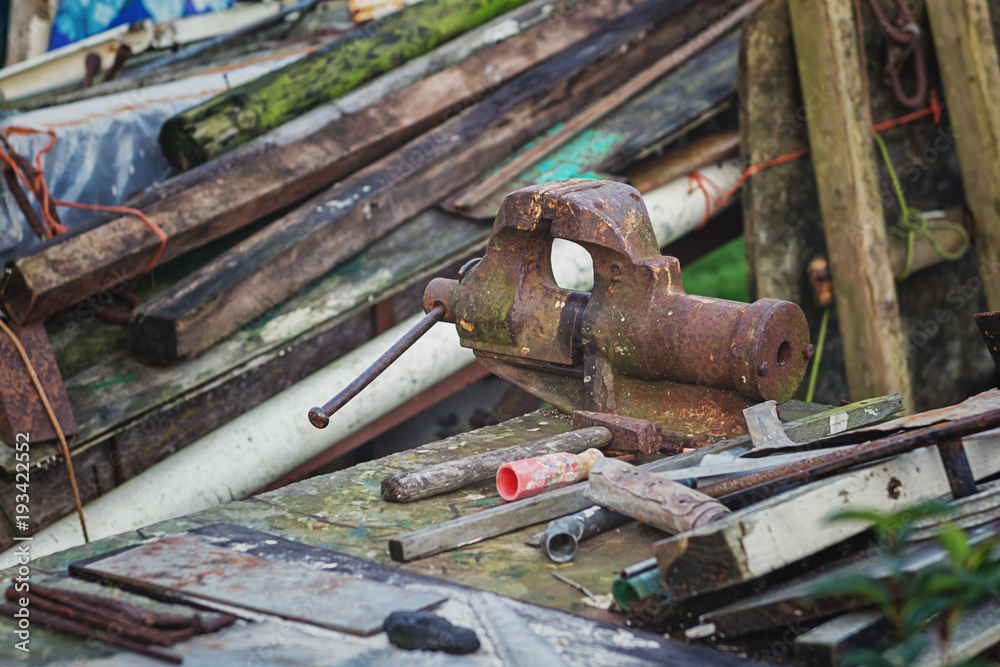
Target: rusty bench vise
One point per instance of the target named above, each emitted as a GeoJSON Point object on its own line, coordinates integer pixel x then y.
{"type": "Point", "coordinates": [636, 345]}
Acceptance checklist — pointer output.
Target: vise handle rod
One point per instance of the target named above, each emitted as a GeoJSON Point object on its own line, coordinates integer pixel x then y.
{"type": "Point", "coordinates": [320, 417]}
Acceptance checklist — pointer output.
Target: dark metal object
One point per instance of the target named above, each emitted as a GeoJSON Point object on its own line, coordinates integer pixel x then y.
{"type": "Point", "coordinates": [562, 536]}
{"type": "Point", "coordinates": [629, 434]}
{"type": "Point", "coordinates": [900, 42]}
{"type": "Point", "coordinates": [320, 417]}
{"type": "Point", "coordinates": [989, 326]}
{"type": "Point", "coordinates": [84, 631]}
{"type": "Point", "coordinates": [22, 202]}
{"type": "Point", "coordinates": [956, 466]}
{"type": "Point", "coordinates": [424, 631]}
{"type": "Point", "coordinates": [637, 345]}
{"type": "Point", "coordinates": [123, 53]}
{"type": "Point", "coordinates": [85, 601]}
{"type": "Point", "coordinates": [21, 409]}
{"type": "Point", "coordinates": [100, 618]}
{"type": "Point", "coordinates": [92, 65]}
{"type": "Point", "coordinates": [109, 314]}
{"type": "Point", "coordinates": [742, 489]}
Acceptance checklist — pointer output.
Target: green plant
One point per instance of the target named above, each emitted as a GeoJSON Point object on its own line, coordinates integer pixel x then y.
{"type": "Point", "coordinates": [911, 601]}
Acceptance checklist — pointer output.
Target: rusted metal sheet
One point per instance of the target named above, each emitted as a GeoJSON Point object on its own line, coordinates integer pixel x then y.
{"type": "Point", "coordinates": [184, 566]}
{"type": "Point", "coordinates": [21, 409]}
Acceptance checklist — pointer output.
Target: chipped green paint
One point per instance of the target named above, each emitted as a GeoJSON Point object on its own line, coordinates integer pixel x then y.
{"type": "Point", "coordinates": [128, 377]}
{"type": "Point", "coordinates": [251, 109]}
{"type": "Point", "coordinates": [511, 572]}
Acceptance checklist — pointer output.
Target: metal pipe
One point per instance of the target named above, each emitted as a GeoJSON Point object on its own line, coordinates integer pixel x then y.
{"type": "Point", "coordinates": [320, 417]}
{"type": "Point", "coordinates": [562, 537]}
{"type": "Point", "coordinates": [628, 591]}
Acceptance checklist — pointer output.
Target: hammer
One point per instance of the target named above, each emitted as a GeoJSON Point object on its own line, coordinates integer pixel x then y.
{"type": "Point", "coordinates": [592, 430]}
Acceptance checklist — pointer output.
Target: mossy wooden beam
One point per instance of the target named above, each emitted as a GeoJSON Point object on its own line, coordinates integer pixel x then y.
{"type": "Point", "coordinates": [296, 160]}
{"type": "Point", "coordinates": [273, 264]}
{"type": "Point", "coordinates": [826, 46]}
{"type": "Point", "coordinates": [970, 72]}
{"type": "Point", "coordinates": [249, 110]}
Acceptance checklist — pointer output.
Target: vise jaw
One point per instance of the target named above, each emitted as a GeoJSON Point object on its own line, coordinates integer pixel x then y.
{"type": "Point", "coordinates": [636, 345]}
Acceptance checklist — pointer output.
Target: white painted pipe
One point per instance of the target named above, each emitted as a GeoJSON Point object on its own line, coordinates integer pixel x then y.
{"type": "Point", "coordinates": [674, 209]}
{"type": "Point", "coordinates": [275, 437]}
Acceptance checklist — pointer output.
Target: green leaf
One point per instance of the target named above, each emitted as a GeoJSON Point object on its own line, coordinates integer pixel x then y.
{"type": "Point", "coordinates": [955, 542]}
{"type": "Point", "coordinates": [873, 517]}
{"type": "Point", "coordinates": [865, 658]}
{"type": "Point", "coordinates": [856, 585]}
{"type": "Point", "coordinates": [918, 613]}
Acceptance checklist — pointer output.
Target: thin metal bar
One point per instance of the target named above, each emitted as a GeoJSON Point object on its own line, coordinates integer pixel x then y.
{"type": "Point", "coordinates": [320, 417]}
{"type": "Point", "coordinates": [956, 466]}
{"type": "Point", "coordinates": [769, 481]}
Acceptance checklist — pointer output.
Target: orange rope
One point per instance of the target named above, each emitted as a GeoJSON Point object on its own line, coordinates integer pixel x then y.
{"type": "Point", "coordinates": [761, 166]}
{"type": "Point", "coordinates": [696, 179]}
{"type": "Point", "coordinates": [933, 110]}
{"type": "Point", "coordinates": [40, 189]}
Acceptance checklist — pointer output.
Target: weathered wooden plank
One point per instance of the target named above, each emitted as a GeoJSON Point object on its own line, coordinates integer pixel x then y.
{"type": "Point", "coordinates": [826, 644]}
{"type": "Point", "coordinates": [970, 72]}
{"type": "Point", "coordinates": [853, 221]}
{"type": "Point", "coordinates": [28, 29]}
{"type": "Point", "coordinates": [292, 162]}
{"type": "Point", "coordinates": [335, 224]}
{"type": "Point", "coordinates": [247, 111]}
{"type": "Point", "coordinates": [670, 107]}
{"type": "Point", "coordinates": [791, 526]}
{"type": "Point", "coordinates": [602, 107]}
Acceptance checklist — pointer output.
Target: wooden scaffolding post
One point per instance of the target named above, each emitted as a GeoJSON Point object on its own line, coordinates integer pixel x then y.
{"type": "Point", "coordinates": [967, 56]}
{"type": "Point", "coordinates": [826, 47]}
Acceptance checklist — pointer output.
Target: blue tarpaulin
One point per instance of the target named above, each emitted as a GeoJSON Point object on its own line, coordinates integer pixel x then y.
{"type": "Point", "coordinates": [76, 19]}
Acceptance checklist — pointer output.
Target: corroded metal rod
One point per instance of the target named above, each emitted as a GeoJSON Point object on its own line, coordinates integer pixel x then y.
{"type": "Point", "coordinates": [740, 489]}
{"type": "Point", "coordinates": [320, 417]}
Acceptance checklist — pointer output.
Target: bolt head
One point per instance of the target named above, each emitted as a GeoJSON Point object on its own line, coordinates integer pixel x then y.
{"type": "Point", "coordinates": [762, 369]}
{"type": "Point", "coordinates": [319, 418]}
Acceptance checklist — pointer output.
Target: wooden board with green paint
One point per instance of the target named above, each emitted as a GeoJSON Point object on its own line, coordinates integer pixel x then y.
{"type": "Point", "coordinates": [672, 106]}
{"type": "Point", "coordinates": [249, 110]}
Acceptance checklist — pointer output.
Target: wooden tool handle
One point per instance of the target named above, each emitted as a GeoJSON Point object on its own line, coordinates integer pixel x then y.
{"type": "Point", "coordinates": [649, 498]}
